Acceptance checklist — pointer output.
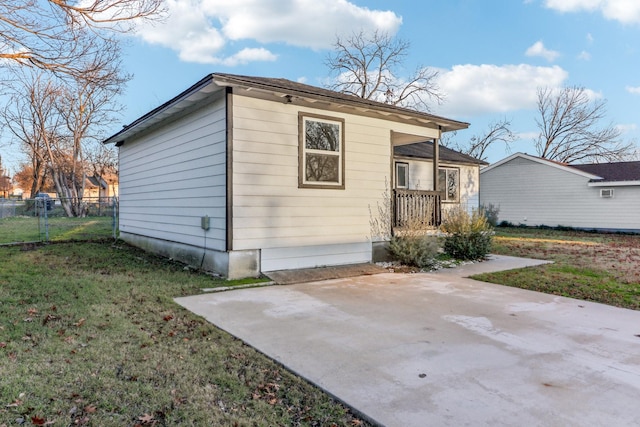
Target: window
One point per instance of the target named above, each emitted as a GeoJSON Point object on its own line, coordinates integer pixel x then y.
{"type": "Point", "coordinates": [402, 175]}
{"type": "Point", "coordinates": [449, 184]}
{"type": "Point", "coordinates": [606, 193]}
{"type": "Point", "coordinates": [321, 163]}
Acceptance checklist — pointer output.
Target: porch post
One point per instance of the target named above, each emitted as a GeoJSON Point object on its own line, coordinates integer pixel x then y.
{"type": "Point", "coordinates": [436, 159]}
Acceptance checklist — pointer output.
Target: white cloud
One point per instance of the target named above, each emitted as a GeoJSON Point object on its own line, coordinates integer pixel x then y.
{"type": "Point", "coordinates": [626, 128]}
{"type": "Point", "coordinates": [625, 11]}
{"type": "Point", "coordinates": [584, 55]}
{"type": "Point", "coordinates": [527, 136]}
{"type": "Point", "coordinates": [249, 55]}
{"type": "Point", "coordinates": [633, 89]}
{"type": "Point", "coordinates": [200, 30]}
{"type": "Point", "coordinates": [538, 49]}
{"type": "Point", "coordinates": [480, 89]}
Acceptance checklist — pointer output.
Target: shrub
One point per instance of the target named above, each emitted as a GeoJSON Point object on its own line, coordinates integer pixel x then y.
{"type": "Point", "coordinates": [416, 250]}
{"type": "Point", "coordinates": [469, 236]}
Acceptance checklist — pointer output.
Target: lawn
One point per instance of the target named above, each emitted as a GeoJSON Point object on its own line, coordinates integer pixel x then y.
{"type": "Point", "coordinates": [61, 228]}
{"type": "Point", "coordinates": [90, 335]}
{"type": "Point", "coordinates": [603, 268]}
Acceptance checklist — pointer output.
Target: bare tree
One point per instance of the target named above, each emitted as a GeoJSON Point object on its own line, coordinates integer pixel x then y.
{"type": "Point", "coordinates": [28, 116]}
{"type": "Point", "coordinates": [86, 107]}
{"type": "Point", "coordinates": [369, 66]}
{"type": "Point", "coordinates": [59, 120]}
{"type": "Point", "coordinates": [496, 132]}
{"type": "Point", "coordinates": [53, 34]}
{"type": "Point", "coordinates": [570, 128]}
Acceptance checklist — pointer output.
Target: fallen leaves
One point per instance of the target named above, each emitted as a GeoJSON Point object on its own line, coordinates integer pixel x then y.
{"type": "Point", "coordinates": [147, 419]}
{"type": "Point", "coordinates": [39, 421]}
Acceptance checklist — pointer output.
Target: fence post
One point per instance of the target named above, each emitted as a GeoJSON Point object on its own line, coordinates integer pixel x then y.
{"type": "Point", "coordinates": [46, 220]}
{"type": "Point", "coordinates": [114, 224]}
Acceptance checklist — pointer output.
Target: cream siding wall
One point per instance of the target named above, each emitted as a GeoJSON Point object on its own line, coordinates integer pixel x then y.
{"type": "Point", "coordinates": [531, 193]}
{"type": "Point", "coordinates": [172, 177]}
{"type": "Point", "coordinates": [421, 178]}
{"type": "Point", "coordinates": [305, 227]}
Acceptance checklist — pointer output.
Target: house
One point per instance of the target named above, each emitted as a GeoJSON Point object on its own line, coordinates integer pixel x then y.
{"type": "Point", "coordinates": [240, 174]}
{"type": "Point", "coordinates": [101, 186]}
{"type": "Point", "coordinates": [459, 174]}
{"type": "Point", "coordinates": [533, 191]}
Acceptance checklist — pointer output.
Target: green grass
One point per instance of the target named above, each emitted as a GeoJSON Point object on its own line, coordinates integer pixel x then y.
{"type": "Point", "coordinates": [90, 335]}
{"type": "Point", "coordinates": [32, 229]}
{"type": "Point", "coordinates": [603, 268]}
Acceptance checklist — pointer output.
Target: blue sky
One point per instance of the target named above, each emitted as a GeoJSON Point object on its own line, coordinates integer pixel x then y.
{"type": "Point", "coordinates": [492, 55]}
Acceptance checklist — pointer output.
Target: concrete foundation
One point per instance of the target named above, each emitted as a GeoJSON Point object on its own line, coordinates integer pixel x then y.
{"type": "Point", "coordinates": [380, 252]}
{"type": "Point", "coordinates": [232, 265]}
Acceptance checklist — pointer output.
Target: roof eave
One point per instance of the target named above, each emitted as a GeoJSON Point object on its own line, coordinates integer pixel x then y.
{"type": "Point", "coordinates": [447, 125]}
{"type": "Point", "coordinates": [159, 113]}
{"type": "Point", "coordinates": [191, 95]}
{"type": "Point", "coordinates": [604, 183]}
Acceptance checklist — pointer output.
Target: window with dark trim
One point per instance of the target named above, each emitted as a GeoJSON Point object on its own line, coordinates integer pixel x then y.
{"type": "Point", "coordinates": [402, 175]}
{"type": "Point", "coordinates": [449, 184]}
{"type": "Point", "coordinates": [321, 150]}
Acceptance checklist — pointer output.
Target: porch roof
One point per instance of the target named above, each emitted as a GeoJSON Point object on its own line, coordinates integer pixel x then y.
{"type": "Point", "coordinates": [424, 150]}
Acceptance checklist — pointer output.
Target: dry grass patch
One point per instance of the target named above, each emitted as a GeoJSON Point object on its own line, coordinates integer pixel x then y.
{"type": "Point", "coordinates": [596, 267]}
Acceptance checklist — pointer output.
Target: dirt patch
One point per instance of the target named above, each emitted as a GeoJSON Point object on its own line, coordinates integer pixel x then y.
{"type": "Point", "coordinates": [618, 255]}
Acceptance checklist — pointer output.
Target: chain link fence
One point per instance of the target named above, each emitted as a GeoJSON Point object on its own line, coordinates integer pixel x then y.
{"type": "Point", "coordinates": [46, 219]}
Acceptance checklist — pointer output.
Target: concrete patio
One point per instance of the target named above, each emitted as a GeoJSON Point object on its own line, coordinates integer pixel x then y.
{"type": "Point", "coordinates": [443, 350]}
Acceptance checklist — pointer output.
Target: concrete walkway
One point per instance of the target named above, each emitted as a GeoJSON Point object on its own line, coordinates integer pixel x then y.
{"type": "Point", "coordinates": [442, 350]}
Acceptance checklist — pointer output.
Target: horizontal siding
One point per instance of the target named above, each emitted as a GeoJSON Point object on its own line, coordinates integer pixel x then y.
{"type": "Point", "coordinates": [314, 256]}
{"type": "Point", "coordinates": [421, 178]}
{"type": "Point", "coordinates": [175, 175]}
{"type": "Point", "coordinates": [272, 214]}
{"type": "Point", "coordinates": [531, 193]}
{"type": "Point", "coordinates": [470, 187]}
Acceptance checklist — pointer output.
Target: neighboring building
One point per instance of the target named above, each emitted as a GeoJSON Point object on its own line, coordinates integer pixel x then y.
{"type": "Point", "coordinates": [246, 174]}
{"type": "Point", "coordinates": [6, 187]}
{"type": "Point", "coordinates": [533, 191]}
{"type": "Point", "coordinates": [102, 187]}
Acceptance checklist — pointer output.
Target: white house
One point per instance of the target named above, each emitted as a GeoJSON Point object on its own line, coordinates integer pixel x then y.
{"type": "Point", "coordinates": [459, 174]}
{"type": "Point", "coordinates": [247, 174]}
{"type": "Point", "coordinates": [533, 191]}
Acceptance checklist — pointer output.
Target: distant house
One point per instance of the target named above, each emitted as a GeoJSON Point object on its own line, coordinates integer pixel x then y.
{"type": "Point", "coordinates": [102, 187]}
{"type": "Point", "coordinates": [245, 174]}
{"type": "Point", "coordinates": [533, 191]}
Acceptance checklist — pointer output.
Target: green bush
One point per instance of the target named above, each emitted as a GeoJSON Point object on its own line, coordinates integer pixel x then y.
{"type": "Point", "coordinates": [415, 250]}
{"type": "Point", "coordinates": [468, 235]}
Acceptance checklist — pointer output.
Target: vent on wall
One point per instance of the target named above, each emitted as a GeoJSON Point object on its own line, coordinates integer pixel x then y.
{"type": "Point", "coordinates": [606, 193]}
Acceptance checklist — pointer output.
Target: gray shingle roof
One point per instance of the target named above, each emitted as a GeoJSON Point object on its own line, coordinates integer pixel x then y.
{"type": "Point", "coordinates": [279, 86]}
{"type": "Point", "coordinates": [424, 150]}
{"type": "Point", "coordinates": [618, 171]}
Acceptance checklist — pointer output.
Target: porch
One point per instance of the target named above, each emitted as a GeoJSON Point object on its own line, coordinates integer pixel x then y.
{"type": "Point", "coordinates": [416, 208]}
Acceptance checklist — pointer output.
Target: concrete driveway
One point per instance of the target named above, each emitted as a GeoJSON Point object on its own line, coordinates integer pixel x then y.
{"type": "Point", "coordinates": [441, 350]}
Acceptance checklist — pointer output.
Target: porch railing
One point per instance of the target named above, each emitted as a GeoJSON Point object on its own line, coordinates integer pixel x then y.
{"type": "Point", "coordinates": [411, 206]}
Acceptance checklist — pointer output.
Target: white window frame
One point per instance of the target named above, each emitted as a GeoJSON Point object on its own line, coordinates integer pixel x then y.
{"type": "Point", "coordinates": [445, 184]}
{"type": "Point", "coordinates": [303, 182]}
{"type": "Point", "coordinates": [402, 165]}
